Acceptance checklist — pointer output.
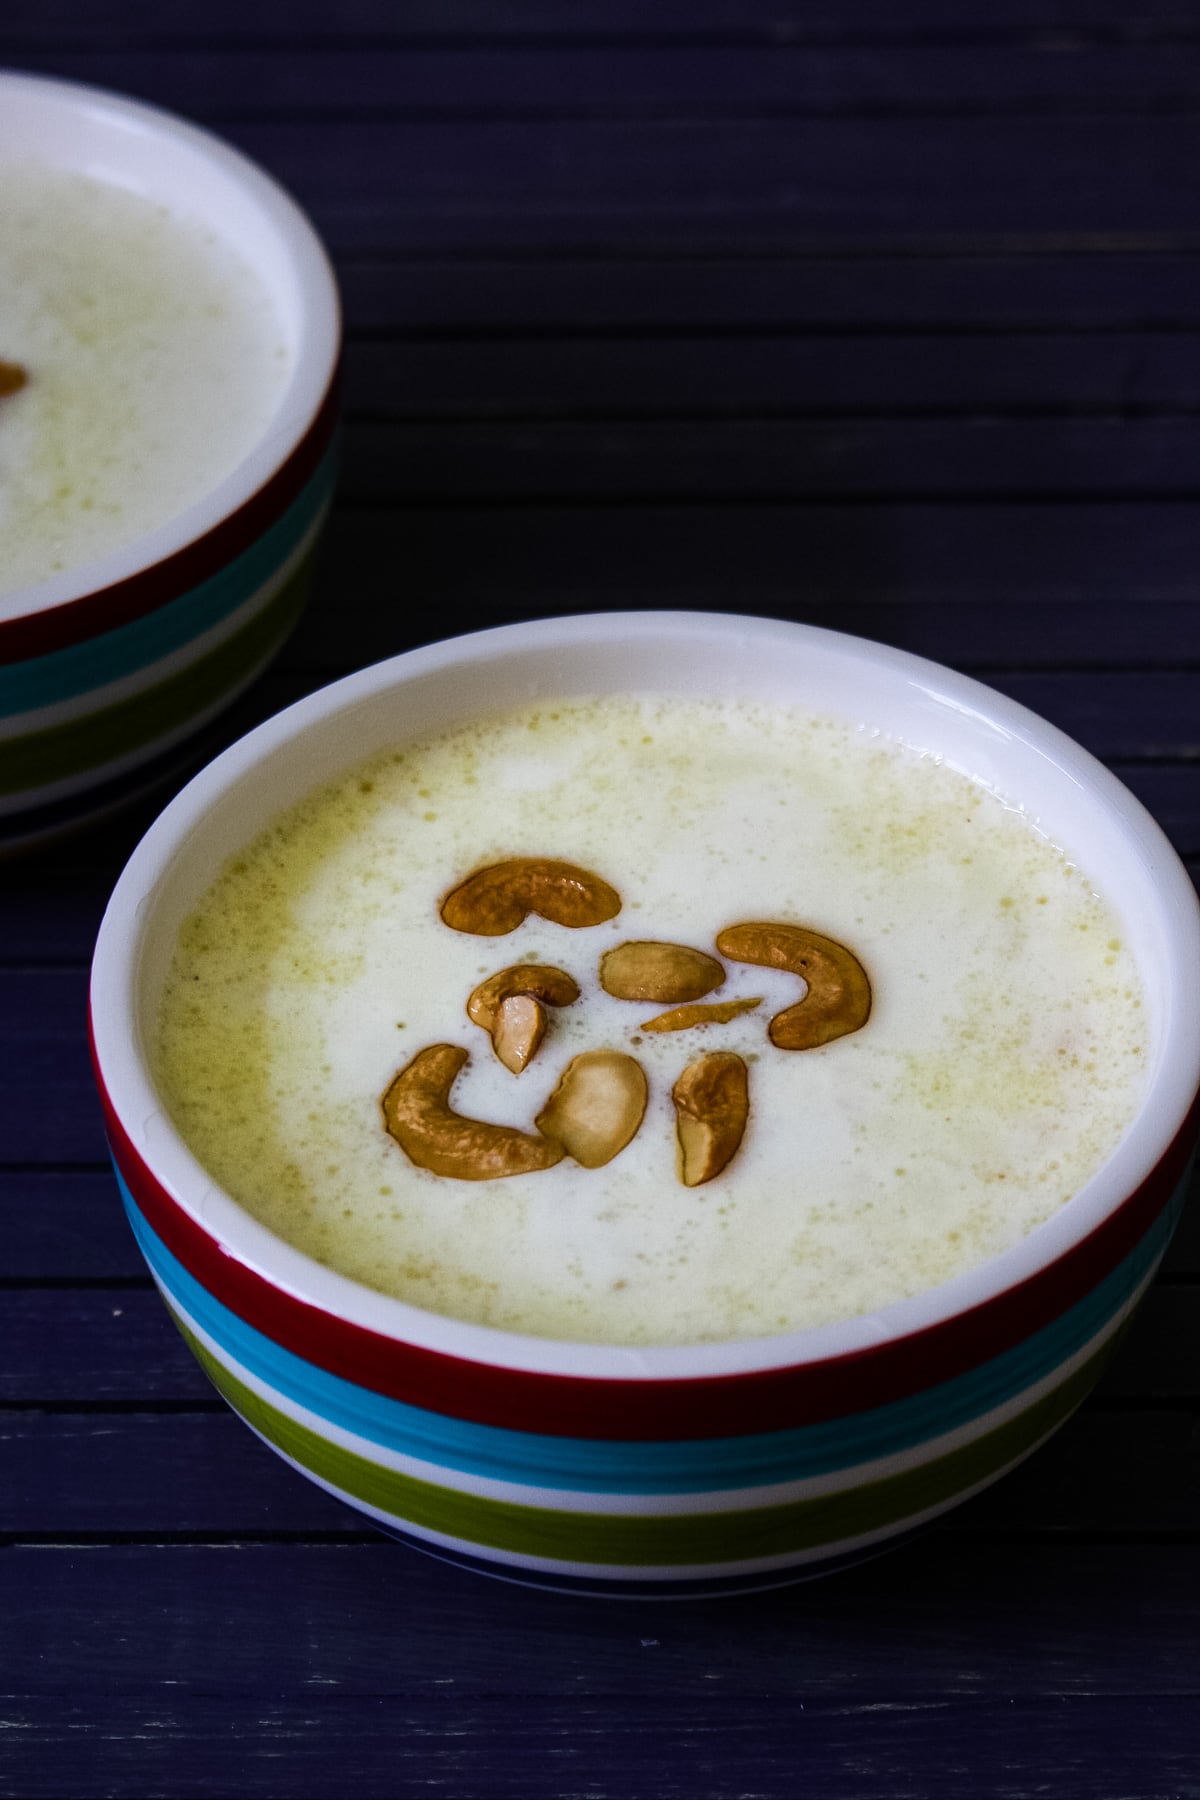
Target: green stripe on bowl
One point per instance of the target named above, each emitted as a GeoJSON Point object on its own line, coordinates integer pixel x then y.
{"type": "Point", "coordinates": [97, 738]}
{"type": "Point", "coordinates": [656, 1540]}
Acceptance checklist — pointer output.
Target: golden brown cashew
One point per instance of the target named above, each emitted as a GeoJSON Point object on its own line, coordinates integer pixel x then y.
{"type": "Point", "coordinates": [511, 1007]}
{"type": "Point", "coordinates": [712, 1105]}
{"type": "Point", "coordinates": [597, 1106]}
{"type": "Point", "coordinates": [838, 1000]}
{"type": "Point", "coordinates": [715, 1012]}
{"type": "Point", "coordinates": [493, 901]}
{"type": "Point", "coordinates": [417, 1113]}
{"type": "Point", "coordinates": [12, 377]}
{"type": "Point", "coordinates": [650, 971]}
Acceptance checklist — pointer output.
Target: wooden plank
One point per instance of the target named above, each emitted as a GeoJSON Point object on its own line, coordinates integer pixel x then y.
{"type": "Point", "coordinates": [85, 1348]}
{"type": "Point", "coordinates": [65, 1227]}
{"type": "Point", "coordinates": [1108, 289]}
{"type": "Point", "coordinates": [976, 584]}
{"type": "Point", "coordinates": [979, 585]}
{"type": "Point", "coordinates": [631, 79]}
{"type": "Point", "coordinates": [1159, 1358]}
{"type": "Point", "coordinates": [1105, 1471]}
{"type": "Point", "coordinates": [51, 1110]}
{"type": "Point", "coordinates": [644, 184]}
{"type": "Point", "coordinates": [498, 1748]}
{"type": "Point", "coordinates": [153, 1472]}
{"type": "Point", "coordinates": [753, 557]}
{"type": "Point", "coordinates": [1119, 717]}
{"type": "Point", "coordinates": [324, 1617]}
{"type": "Point", "coordinates": [1109, 1470]}
{"type": "Point", "coordinates": [135, 22]}
{"type": "Point", "coordinates": [974, 638]}
{"type": "Point", "coordinates": [51, 906]}
{"type": "Point", "coordinates": [704, 378]}
{"type": "Point", "coordinates": [876, 459]}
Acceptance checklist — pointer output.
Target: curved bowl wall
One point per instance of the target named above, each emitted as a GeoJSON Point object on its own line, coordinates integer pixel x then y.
{"type": "Point", "coordinates": [108, 670]}
{"type": "Point", "coordinates": [759, 1480]}
{"type": "Point", "coordinates": [711, 1467]}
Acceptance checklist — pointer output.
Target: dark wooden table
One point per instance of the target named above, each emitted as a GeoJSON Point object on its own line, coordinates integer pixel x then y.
{"type": "Point", "coordinates": [882, 316]}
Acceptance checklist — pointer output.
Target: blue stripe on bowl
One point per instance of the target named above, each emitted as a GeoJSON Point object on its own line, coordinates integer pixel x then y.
{"type": "Point", "coordinates": [689, 1466]}
{"type": "Point", "coordinates": [64, 674]}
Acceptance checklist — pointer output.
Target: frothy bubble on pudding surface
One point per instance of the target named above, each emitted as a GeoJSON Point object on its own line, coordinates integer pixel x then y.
{"type": "Point", "coordinates": [991, 1060]}
{"type": "Point", "coordinates": [152, 360]}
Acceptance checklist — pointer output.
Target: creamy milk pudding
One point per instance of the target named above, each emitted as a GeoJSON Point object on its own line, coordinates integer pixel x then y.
{"type": "Point", "coordinates": [152, 357]}
{"type": "Point", "coordinates": [988, 1066]}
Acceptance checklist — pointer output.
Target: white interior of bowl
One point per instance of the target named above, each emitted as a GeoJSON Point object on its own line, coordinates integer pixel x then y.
{"type": "Point", "coordinates": [153, 154]}
{"type": "Point", "coordinates": [1067, 794]}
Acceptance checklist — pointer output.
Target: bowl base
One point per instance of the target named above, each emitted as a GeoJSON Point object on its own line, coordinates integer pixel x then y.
{"type": "Point", "coordinates": [653, 1588]}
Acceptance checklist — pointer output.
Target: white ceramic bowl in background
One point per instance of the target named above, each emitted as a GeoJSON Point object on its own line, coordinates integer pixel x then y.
{"type": "Point", "coordinates": [109, 667]}
{"type": "Point", "coordinates": [722, 1465]}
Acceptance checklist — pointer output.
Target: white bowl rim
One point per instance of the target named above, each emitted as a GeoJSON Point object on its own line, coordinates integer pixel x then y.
{"type": "Point", "coordinates": [314, 365]}
{"type": "Point", "coordinates": [127, 1080]}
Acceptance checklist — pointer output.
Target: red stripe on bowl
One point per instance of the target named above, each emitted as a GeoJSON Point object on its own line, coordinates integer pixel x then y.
{"type": "Point", "coordinates": [644, 1410]}
{"type": "Point", "coordinates": [57, 627]}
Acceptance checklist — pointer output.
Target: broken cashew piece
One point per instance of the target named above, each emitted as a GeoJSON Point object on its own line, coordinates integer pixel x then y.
{"type": "Point", "coordinates": [12, 377]}
{"type": "Point", "coordinates": [684, 1018]}
{"type": "Point", "coordinates": [650, 971]}
{"type": "Point", "coordinates": [417, 1113]}
{"type": "Point", "coordinates": [838, 1000]}
{"type": "Point", "coordinates": [519, 1029]}
{"type": "Point", "coordinates": [511, 1008]}
{"type": "Point", "coordinates": [494, 901]}
{"type": "Point", "coordinates": [712, 1105]}
{"type": "Point", "coordinates": [597, 1106]}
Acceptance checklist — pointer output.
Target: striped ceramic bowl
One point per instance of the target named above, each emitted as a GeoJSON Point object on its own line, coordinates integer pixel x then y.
{"type": "Point", "coordinates": [108, 668]}
{"type": "Point", "coordinates": [718, 1466]}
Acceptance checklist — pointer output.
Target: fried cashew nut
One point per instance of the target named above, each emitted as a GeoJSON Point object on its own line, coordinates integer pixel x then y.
{"type": "Point", "coordinates": [417, 1113]}
{"type": "Point", "coordinates": [12, 378]}
{"type": "Point", "coordinates": [494, 901]}
{"type": "Point", "coordinates": [712, 1105]}
{"type": "Point", "coordinates": [597, 1106]}
{"type": "Point", "coordinates": [650, 971]}
{"type": "Point", "coordinates": [686, 1018]}
{"type": "Point", "coordinates": [511, 1007]}
{"type": "Point", "coordinates": [838, 1000]}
